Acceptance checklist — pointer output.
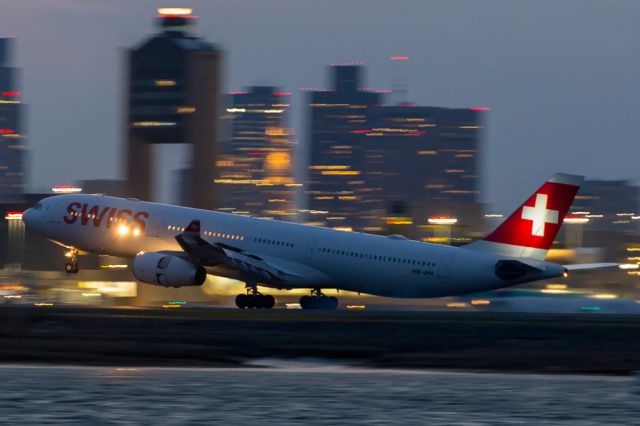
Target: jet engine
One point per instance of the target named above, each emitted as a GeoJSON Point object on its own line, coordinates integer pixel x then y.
{"type": "Point", "coordinates": [167, 270]}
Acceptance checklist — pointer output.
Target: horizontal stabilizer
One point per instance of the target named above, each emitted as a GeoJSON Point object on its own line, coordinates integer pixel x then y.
{"type": "Point", "coordinates": [584, 266]}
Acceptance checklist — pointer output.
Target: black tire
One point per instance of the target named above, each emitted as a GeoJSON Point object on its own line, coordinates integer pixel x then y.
{"type": "Point", "coordinates": [241, 301]}
{"type": "Point", "coordinates": [331, 303]}
{"type": "Point", "coordinates": [319, 303]}
{"type": "Point", "coordinates": [258, 301]}
{"type": "Point", "coordinates": [306, 302]}
{"type": "Point", "coordinates": [268, 301]}
{"type": "Point", "coordinates": [251, 302]}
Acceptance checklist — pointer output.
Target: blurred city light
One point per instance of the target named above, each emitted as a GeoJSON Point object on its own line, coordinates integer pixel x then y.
{"type": "Point", "coordinates": [13, 216]}
{"type": "Point", "coordinates": [556, 286]}
{"type": "Point", "coordinates": [66, 189]}
{"type": "Point", "coordinates": [605, 296]}
{"type": "Point", "coordinates": [629, 266]}
{"type": "Point", "coordinates": [576, 219]}
{"type": "Point", "coordinates": [442, 220]}
{"type": "Point", "coordinates": [175, 11]}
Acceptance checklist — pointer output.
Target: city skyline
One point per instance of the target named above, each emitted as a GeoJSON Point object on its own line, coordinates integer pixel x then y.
{"type": "Point", "coordinates": [256, 166]}
{"type": "Point", "coordinates": [374, 165]}
{"type": "Point", "coordinates": [12, 129]}
{"type": "Point", "coordinates": [561, 90]}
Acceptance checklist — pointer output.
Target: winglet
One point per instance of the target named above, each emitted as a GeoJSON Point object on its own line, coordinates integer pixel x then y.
{"type": "Point", "coordinates": [194, 226]}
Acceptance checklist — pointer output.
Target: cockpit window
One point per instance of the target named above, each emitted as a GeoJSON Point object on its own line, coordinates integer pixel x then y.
{"type": "Point", "coordinates": [38, 206]}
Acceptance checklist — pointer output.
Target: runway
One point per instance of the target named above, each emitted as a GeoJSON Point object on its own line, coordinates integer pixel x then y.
{"type": "Point", "coordinates": [591, 344]}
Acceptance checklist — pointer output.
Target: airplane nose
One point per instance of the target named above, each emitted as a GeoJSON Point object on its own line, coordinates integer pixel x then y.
{"type": "Point", "coordinates": [27, 217]}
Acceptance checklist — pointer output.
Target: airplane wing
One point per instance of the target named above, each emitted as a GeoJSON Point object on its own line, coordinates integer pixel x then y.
{"type": "Point", "coordinates": [584, 266]}
{"type": "Point", "coordinates": [212, 254]}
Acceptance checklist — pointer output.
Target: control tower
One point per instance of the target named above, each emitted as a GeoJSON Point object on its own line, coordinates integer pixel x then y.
{"type": "Point", "coordinates": [173, 96]}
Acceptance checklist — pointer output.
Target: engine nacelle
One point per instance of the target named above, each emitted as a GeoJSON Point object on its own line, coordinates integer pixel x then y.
{"type": "Point", "coordinates": [167, 270]}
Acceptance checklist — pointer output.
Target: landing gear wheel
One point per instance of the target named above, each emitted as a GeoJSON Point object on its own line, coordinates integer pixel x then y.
{"type": "Point", "coordinates": [251, 301]}
{"type": "Point", "coordinates": [71, 268]}
{"type": "Point", "coordinates": [72, 265]}
{"type": "Point", "coordinates": [258, 301]}
{"type": "Point", "coordinates": [319, 301]}
{"type": "Point", "coordinates": [306, 302]}
{"type": "Point", "coordinates": [332, 302]}
{"type": "Point", "coordinates": [241, 301]}
{"type": "Point", "coordinates": [269, 301]}
{"type": "Point", "coordinates": [255, 301]}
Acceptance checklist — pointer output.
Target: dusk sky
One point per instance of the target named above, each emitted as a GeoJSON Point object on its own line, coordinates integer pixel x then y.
{"type": "Point", "coordinates": [560, 76]}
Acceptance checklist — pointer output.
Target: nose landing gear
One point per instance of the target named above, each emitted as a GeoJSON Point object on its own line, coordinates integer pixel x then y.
{"type": "Point", "coordinates": [319, 301]}
{"type": "Point", "coordinates": [72, 265]}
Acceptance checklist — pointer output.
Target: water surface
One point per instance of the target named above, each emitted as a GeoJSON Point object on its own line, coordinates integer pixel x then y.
{"type": "Point", "coordinates": [306, 393]}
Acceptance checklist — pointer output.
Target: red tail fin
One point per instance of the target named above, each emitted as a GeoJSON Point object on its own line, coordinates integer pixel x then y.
{"type": "Point", "coordinates": [531, 229]}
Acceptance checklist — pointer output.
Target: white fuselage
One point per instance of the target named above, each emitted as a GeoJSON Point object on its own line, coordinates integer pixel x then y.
{"type": "Point", "coordinates": [313, 257]}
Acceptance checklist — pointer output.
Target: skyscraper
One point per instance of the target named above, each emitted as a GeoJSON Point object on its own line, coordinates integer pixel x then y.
{"type": "Point", "coordinates": [256, 168]}
{"type": "Point", "coordinates": [374, 166]}
{"type": "Point", "coordinates": [12, 146]}
{"type": "Point", "coordinates": [425, 158]}
{"type": "Point", "coordinates": [608, 205]}
{"type": "Point", "coordinates": [173, 97]}
{"type": "Point", "coordinates": [337, 117]}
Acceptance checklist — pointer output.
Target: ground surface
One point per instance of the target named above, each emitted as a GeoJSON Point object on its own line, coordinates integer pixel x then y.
{"type": "Point", "coordinates": [225, 337]}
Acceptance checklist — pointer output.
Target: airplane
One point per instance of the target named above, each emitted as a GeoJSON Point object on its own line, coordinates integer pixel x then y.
{"type": "Point", "coordinates": [176, 246]}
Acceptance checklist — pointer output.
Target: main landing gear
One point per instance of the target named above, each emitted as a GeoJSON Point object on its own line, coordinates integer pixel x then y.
{"type": "Point", "coordinates": [72, 265]}
{"type": "Point", "coordinates": [254, 299]}
{"type": "Point", "coordinates": [318, 300]}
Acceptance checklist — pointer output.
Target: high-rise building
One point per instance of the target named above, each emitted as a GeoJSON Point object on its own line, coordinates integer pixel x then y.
{"type": "Point", "coordinates": [427, 159]}
{"type": "Point", "coordinates": [256, 170]}
{"type": "Point", "coordinates": [337, 118]}
{"type": "Point", "coordinates": [374, 167]}
{"type": "Point", "coordinates": [174, 97]}
{"type": "Point", "coordinates": [607, 205]}
{"type": "Point", "coordinates": [12, 140]}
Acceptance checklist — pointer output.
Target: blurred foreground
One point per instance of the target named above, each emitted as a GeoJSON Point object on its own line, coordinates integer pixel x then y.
{"type": "Point", "coordinates": [596, 344]}
{"type": "Point", "coordinates": [293, 396]}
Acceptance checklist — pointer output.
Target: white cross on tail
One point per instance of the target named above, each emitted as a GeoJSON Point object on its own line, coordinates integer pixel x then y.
{"type": "Point", "coordinates": [539, 215]}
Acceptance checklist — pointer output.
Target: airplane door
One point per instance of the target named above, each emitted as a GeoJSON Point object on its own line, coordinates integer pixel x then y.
{"type": "Point", "coordinates": [444, 268]}
{"type": "Point", "coordinates": [311, 249]}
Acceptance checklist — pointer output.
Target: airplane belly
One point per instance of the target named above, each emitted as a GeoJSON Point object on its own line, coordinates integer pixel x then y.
{"type": "Point", "coordinates": [448, 276]}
